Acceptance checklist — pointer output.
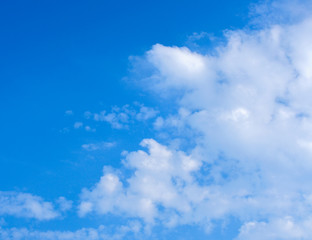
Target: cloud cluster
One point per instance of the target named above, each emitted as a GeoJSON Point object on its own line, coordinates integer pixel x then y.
{"type": "Point", "coordinates": [119, 118]}
{"type": "Point", "coordinates": [161, 178]}
{"type": "Point", "coordinates": [245, 111]}
{"type": "Point", "coordinates": [29, 206]}
{"type": "Point", "coordinates": [282, 228]}
{"type": "Point", "coordinates": [100, 233]}
{"type": "Point", "coordinates": [248, 105]}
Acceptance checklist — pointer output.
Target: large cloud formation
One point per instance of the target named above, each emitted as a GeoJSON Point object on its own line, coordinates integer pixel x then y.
{"type": "Point", "coordinates": [247, 106]}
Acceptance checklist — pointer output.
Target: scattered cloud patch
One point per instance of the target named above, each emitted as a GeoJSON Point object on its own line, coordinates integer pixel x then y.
{"type": "Point", "coordinates": [27, 206]}
{"type": "Point", "coordinates": [69, 112]}
{"type": "Point", "coordinates": [98, 146]}
{"type": "Point", "coordinates": [64, 204]}
{"type": "Point", "coordinates": [120, 118]}
{"type": "Point", "coordinates": [78, 125]}
{"type": "Point", "coordinates": [131, 230]}
{"type": "Point", "coordinates": [281, 228]}
{"type": "Point", "coordinates": [89, 129]}
{"type": "Point", "coordinates": [146, 113]}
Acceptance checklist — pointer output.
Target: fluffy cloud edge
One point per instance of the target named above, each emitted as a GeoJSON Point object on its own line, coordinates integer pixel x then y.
{"type": "Point", "coordinates": [26, 205]}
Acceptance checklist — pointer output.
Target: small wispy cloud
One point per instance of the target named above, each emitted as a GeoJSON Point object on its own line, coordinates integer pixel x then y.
{"type": "Point", "coordinates": [122, 117]}
{"type": "Point", "coordinates": [132, 229]}
{"type": "Point", "coordinates": [98, 146]}
{"type": "Point", "coordinates": [78, 125]}
{"type": "Point", "coordinates": [90, 129]}
{"type": "Point", "coordinates": [69, 112]}
{"type": "Point", "coordinates": [64, 204]}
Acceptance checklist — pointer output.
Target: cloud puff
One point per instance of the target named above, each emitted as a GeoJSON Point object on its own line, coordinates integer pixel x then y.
{"type": "Point", "coordinates": [247, 107]}
{"type": "Point", "coordinates": [161, 178]}
{"type": "Point", "coordinates": [64, 204]}
{"type": "Point", "coordinates": [78, 125]}
{"type": "Point", "coordinates": [284, 228]}
{"type": "Point", "coordinates": [28, 206]}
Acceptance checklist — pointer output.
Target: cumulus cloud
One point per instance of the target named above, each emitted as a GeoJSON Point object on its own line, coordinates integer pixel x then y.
{"type": "Point", "coordinates": [28, 206]}
{"type": "Point", "coordinates": [247, 105]}
{"type": "Point", "coordinates": [161, 178]}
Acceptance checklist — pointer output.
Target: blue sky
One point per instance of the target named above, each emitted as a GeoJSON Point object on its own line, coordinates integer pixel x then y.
{"type": "Point", "coordinates": [73, 56]}
{"type": "Point", "coordinates": [155, 120]}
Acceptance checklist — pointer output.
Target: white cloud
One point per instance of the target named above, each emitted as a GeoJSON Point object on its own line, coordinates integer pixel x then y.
{"type": "Point", "coordinates": [146, 113]}
{"type": "Point", "coordinates": [26, 205]}
{"type": "Point", "coordinates": [101, 233]}
{"type": "Point", "coordinates": [248, 105]}
{"type": "Point", "coordinates": [283, 228]}
{"type": "Point", "coordinates": [89, 129]}
{"type": "Point", "coordinates": [120, 118]}
{"type": "Point", "coordinates": [78, 125]}
{"type": "Point", "coordinates": [177, 67]}
{"type": "Point", "coordinates": [98, 146]}
{"type": "Point", "coordinates": [64, 204]}
{"type": "Point", "coordinates": [69, 112]}
{"type": "Point", "coordinates": [161, 178]}
{"type": "Point", "coordinates": [271, 12]}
